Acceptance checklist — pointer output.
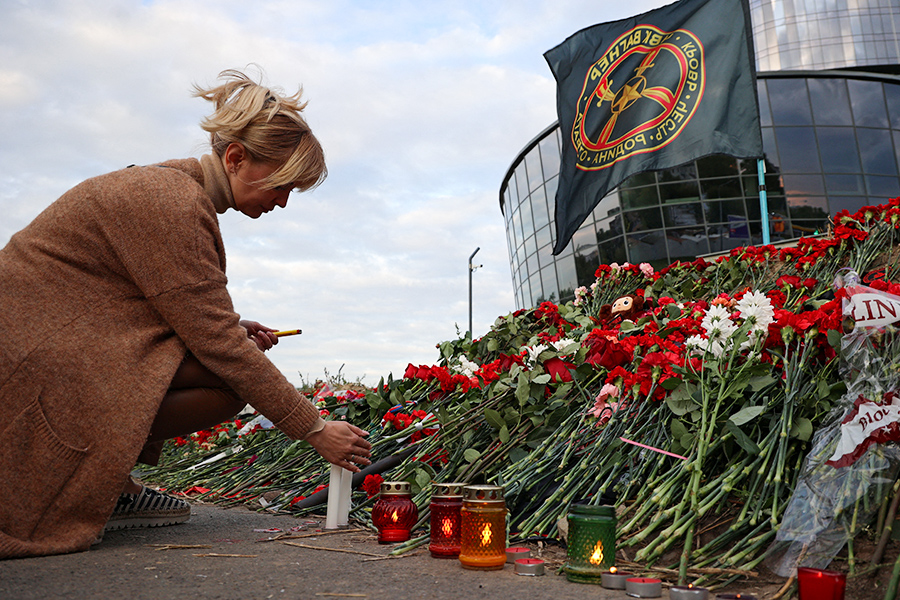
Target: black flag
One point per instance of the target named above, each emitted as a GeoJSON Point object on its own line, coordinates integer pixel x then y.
{"type": "Point", "coordinates": [651, 92]}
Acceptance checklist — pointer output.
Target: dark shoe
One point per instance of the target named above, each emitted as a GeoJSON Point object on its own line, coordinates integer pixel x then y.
{"type": "Point", "coordinates": [149, 508]}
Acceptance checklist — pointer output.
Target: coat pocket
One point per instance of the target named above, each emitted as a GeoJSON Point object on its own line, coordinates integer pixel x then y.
{"type": "Point", "coordinates": [34, 467]}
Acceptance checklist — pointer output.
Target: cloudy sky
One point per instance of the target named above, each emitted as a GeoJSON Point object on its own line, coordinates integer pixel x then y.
{"type": "Point", "coordinates": [421, 107]}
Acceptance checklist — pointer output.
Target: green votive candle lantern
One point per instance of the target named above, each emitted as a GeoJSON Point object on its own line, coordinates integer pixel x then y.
{"type": "Point", "coordinates": [591, 542]}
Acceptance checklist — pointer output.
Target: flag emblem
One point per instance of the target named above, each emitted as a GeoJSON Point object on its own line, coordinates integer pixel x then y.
{"type": "Point", "coordinates": [638, 96]}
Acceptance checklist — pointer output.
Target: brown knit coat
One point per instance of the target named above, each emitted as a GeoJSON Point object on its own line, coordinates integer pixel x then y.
{"type": "Point", "coordinates": [101, 297]}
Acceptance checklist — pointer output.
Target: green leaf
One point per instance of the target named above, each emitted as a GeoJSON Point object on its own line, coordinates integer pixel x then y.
{"type": "Point", "coordinates": [678, 430]}
{"type": "Point", "coordinates": [626, 326]}
{"type": "Point", "coordinates": [742, 439]}
{"type": "Point", "coordinates": [671, 383]}
{"type": "Point", "coordinates": [517, 454]}
{"type": "Point", "coordinates": [504, 435]}
{"type": "Point", "coordinates": [834, 338]}
{"type": "Point", "coordinates": [681, 402]}
{"type": "Point", "coordinates": [823, 389]}
{"type": "Point", "coordinates": [423, 478]}
{"type": "Point", "coordinates": [802, 429]}
{"type": "Point", "coordinates": [673, 311]}
{"type": "Point", "coordinates": [761, 381]}
{"type": "Point", "coordinates": [494, 418]}
{"type": "Point", "coordinates": [471, 455]}
{"type": "Point", "coordinates": [511, 416]}
{"type": "Point", "coordinates": [523, 389]}
{"type": "Point", "coordinates": [746, 414]}
{"type": "Point", "coordinates": [493, 345]}
{"type": "Point", "coordinates": [542, 379]}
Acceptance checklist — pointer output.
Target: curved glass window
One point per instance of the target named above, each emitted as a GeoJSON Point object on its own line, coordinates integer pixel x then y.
{"type": "Point", "coordinates": [835, 145]}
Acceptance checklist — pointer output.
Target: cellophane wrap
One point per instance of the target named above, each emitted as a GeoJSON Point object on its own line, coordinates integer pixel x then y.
{"type": "Point", "coordinates": [854, 459]}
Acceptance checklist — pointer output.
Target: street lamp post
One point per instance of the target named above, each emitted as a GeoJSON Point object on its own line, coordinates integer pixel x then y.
{"type": "Point", "coordinates": [471, 269]}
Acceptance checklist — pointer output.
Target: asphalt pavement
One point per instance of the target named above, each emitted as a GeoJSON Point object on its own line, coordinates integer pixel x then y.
{"type": "Point", "coordinates": [233, 554]}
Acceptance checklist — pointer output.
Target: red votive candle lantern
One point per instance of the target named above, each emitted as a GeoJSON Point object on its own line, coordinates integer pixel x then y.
{"type": "Point", "coordinates": [815, 584]}
{"type": "Point", "coordinates": [483, 536]}
{"type": "Point", "coordinates": [394, 513]}
{"type": "Point", "coordinates": [445, 507]}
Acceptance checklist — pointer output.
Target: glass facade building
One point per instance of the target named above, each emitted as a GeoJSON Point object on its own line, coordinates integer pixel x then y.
{"type": "Point", "coordinates": [831, 140]}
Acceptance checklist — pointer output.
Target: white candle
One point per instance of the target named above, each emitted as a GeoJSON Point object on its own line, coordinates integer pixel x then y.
{"type": "Point", "coordinates": [343, 518]}
{"type": "Point", "coordinates": [334, 495]}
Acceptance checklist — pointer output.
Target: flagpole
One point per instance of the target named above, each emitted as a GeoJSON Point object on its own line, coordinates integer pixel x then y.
{"type": "Point", "coordinates": [763, 202]}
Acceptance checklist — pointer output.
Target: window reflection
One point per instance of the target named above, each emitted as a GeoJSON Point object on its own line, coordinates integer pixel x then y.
{"type": "Point", "coordinates": [721, 188]}
{"type": "Point", "coordinates": [683, 214]}
{"type": "Point", "coordinates": [837, 147]}
{"type": "Point", "coordinates": [790, 104]}
{"type": "Point", "coordinates": [639, 197]}
{"type": "Point", "coordinates": [830, 101]}
{"type": "Point", "coordinates": [539, 208]}
{"type": "Point", "coordinates": [724, 211]}
{"type": "Point", "coordinates": [892, 96]}
{"type": "Point", "coordinates": [794, 144]}
{"type": "Point", "coordinates": [534, 170]}
{"type": "Point", "coordinates": [803, 185]}
{"type": "Point", "coordinates": [639, 220]}
{"type": "Point", "coordinates": [885, 187]}
{"type": "Point", "coordinates": [549, 156]}
{"type": "Point", "coordinates": [876, 152]}
{"type": "Point", "coordinates": [867, 99]}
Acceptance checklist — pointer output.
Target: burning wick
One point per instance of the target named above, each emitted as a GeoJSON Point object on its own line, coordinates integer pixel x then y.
{"type": "Point", "coordinates": [597, 556]}
{"type": "Point", "coordinates": [447, 527]}
{"type": "Point", "coordinates": [486, 535]}
{"type": "Point", "coordinates": [394, 516]}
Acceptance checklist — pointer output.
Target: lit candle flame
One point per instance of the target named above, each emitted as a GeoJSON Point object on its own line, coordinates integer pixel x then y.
{"type": "Point", "coordinates": [394, 516]}
{"type": "Point", "coordinates": [486, 535]}
{"type": "Point", "coordinates": [613, 569]}
{"type": "Point", "coordinates": [447, 527]}
{"type": "Point", "coordinates": [597, 556]}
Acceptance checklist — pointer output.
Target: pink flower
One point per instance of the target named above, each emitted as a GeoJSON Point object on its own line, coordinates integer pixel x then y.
{"type": "Point", "coordinates": [600, 405]}
{"type": "Point", "coordinates": [646, 269]}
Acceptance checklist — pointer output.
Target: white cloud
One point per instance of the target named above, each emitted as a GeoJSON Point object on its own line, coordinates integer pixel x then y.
{"type": "Point", "coordinates": [421, 108]}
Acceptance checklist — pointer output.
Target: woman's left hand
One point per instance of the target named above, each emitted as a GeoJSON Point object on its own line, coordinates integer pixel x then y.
{"type": "Point", "coordinates": [264, 336]}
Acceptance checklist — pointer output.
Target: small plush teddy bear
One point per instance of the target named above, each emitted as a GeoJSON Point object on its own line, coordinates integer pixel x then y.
{"type": "Point", "coordinates": [625, 308]}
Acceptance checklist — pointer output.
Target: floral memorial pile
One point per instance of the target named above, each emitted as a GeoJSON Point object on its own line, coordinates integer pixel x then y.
{"type": "Point", "coordinates": [689, 398]}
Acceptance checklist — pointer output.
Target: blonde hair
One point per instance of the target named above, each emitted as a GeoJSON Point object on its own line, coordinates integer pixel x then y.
{"type": "Point", "coordinates": [268, 125]}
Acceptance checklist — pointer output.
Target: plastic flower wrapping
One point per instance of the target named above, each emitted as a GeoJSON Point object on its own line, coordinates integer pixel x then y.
{"type": "Point", "coordinates": [853, 462]}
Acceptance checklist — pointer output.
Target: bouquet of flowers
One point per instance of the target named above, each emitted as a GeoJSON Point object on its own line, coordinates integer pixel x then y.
{"type": "Point", "coordinates": [853, 462]}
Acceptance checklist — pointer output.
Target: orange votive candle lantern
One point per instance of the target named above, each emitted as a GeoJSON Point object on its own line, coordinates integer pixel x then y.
{"type": "Point", "coordinates": [483, 534]}
{"type": "Point", "coordinates": [445, 507]}
{"type": "Point", "coordinates": [394, 514]}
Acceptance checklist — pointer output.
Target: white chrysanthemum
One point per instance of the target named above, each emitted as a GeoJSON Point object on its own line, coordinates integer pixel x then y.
{"type": "Point", "coordinates": [534, 352]}
{"type": "Point", "coordinates": [467, 367]}
{"type": "Point", "coordinates": [756, 309]}
{"type": "Point", "coordinates": [720, 330]}
{"type": "Point", "coordinates": [565, 346]}
{"type": "Point", "coordinates": [696, 342]}
{"type": "Point", "coordinates": [714, 313]}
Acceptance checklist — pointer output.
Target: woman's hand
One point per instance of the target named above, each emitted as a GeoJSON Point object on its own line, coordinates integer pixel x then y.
{"type": "Point", "coordinates": [342, 444]}
{"type": "Point", "coordinates": [264, 336]}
